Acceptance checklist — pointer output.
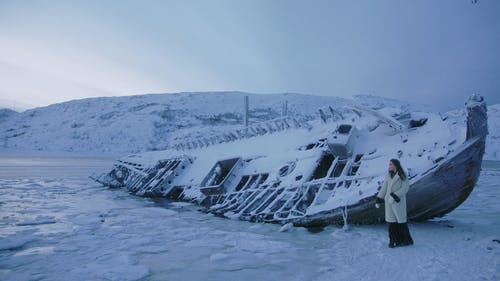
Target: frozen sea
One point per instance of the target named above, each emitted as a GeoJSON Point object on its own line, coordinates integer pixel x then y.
{"type": "Point", "coordinates": [56, 224]}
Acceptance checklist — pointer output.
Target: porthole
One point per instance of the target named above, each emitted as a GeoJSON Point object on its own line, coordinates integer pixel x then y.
{"type": "Point", "coordinates": [287, 169]}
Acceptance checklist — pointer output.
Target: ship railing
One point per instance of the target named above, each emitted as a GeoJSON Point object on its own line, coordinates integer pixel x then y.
{"type": "Point", "coordinates": [293, 197]}
{"type": "Point", "coordinates": [259, 129]}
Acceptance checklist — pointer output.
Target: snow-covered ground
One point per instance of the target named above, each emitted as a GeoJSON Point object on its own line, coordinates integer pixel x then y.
{"type": "Point", "coordinates": [121, 125]}
{"type": "Point", "coordinates": [493, 139]}
{"type": "Point", "coordinates": [56, 224]}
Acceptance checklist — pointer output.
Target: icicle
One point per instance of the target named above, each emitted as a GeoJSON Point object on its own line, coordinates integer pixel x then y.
{"type": "Point", "coordinates": [345, 218]}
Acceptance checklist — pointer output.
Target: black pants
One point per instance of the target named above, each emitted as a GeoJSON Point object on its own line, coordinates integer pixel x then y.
{"type": "Point", "coordinates": [399, 235]}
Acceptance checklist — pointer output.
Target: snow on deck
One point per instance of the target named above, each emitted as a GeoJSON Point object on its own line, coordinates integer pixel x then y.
{"type": "Point", "coordinates": [419, 149]}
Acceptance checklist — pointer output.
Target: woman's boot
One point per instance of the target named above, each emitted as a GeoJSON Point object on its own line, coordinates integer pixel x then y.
{"type": "Point", "coordinates": [392, 235]}
{"type": "Point", "coordinates": [405, 237]}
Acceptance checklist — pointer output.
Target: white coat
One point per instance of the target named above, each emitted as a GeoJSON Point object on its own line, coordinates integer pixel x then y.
{"type": "Point", "coordinates": [394, 211]}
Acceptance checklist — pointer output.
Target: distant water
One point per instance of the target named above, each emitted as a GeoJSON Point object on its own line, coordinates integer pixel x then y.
{"type": "Point", "coordinates": [491, 165]}
{"type": "Point", "coordinates": [52, 166]}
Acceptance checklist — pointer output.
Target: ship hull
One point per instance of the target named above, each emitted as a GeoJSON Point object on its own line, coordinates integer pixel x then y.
{"type": "Point", "coordinates": [328, 188]}
{"type": "Point", "coordinates": [436, 194]}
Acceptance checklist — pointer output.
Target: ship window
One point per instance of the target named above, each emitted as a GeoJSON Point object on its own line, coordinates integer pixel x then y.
{"type": "Point", "coordinates": [287, 169]}
{"type": "Point", "coordinates": [264, 177]}
{"type": "Point", "coordinates": [250, 181]}
{"type": "Point", "coordinates": [344, 129]}
{"type": "Point", "coordinates": [347, 184]}
{"type": "Point", "coordinates": [176, 192]}
{"type": "Point", "coordinates": [339, 167]}
{"type": "Point", "coordinates": [358, 157]}
{"type": "Point", "coordinates": [323, 166]}
{"type": "Point", "coordinates": [242, 182]}
{"type": "Point", "coordinates": [219, 172]}
{"type": "Point", "coordinates": [417, 123]}
{"type": "Point", "coordinates": [353, 170]}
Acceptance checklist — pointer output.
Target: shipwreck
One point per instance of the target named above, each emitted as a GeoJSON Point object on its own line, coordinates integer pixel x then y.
{"type": "Point", "coordinates": [317, 172]}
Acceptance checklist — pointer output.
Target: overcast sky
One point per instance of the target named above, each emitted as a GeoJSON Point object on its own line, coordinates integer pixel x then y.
{"type": "Point", "coordinates": [425, 51]}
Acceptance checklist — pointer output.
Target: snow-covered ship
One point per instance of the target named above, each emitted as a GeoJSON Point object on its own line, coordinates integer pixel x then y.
{"type": "Point", "coordinates": [317, 172]}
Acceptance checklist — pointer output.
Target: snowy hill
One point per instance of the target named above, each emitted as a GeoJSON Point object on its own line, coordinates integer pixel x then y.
{"type": "Point", "coordinates": [121, 125]}
{"type": "Point", "coordinates": [118, 125]}
{"type": "Point", "coordinates": [6, 113]}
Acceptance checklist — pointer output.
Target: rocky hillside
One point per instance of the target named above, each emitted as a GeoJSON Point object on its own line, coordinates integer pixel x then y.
{"type": "Point", "coordinates": [121, 125]}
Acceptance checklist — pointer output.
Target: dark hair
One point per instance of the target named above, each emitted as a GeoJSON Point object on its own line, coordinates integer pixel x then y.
{"type": "Point", "coordinates": [399, 169]}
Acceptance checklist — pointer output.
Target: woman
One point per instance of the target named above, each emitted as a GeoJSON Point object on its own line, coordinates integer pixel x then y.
{"type": "Point", "coordinates": [393, 194]}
